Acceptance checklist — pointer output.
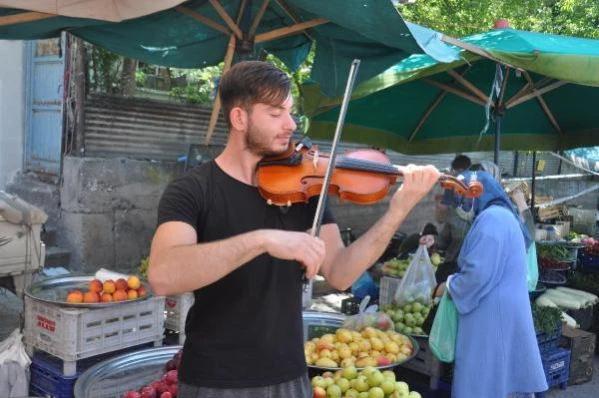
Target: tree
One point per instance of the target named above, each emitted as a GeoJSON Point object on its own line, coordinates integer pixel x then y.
{"type": "Point", "coordinates": [460, 18]}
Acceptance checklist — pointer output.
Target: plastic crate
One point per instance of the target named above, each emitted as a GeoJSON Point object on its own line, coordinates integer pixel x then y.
{"type": "Point", "coordinates": [388, 288]}
{"type": "Point", "coordinates": [47, 380]}
{"type": "Point", "coordinates": [73, 333]}
{"type": "Point", "coordinates": [589, 262]}
{"type": "Point", "coordinates": [549, 341]}
{"type": "Point", "coordinates": [556, 364]}
{"type": "Point", "coordinates": [176, 308]}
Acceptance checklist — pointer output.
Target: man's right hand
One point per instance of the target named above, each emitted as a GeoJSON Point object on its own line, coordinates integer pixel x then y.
{"type": "Point", "coordinates": [300, 246]}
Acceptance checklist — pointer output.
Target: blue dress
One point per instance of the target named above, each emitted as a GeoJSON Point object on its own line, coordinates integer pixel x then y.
{"type": "Point", "coordinates": [496, 351]}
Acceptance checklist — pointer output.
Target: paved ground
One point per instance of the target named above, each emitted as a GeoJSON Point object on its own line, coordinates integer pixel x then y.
{"type": "Point", "coordinates": [11, 309]}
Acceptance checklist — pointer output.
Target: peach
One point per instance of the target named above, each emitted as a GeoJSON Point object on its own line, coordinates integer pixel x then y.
{"type": "Point", "coordinates": [119, 295]}
{"type": "Point", "coordinates": [91, 297]}
{"type": "Point", "coordinates": [109, 286]}
{"type": "Point", "coordinates": [75, 296]}
{"type": "Point", "coordinates": [133, 282]}
{"type": "Point", "coordinates": [132, 294]}
{"type": "Point", "coordinates": [95, 286]}
{"type": "Point", "coordinates": [121, 284]}
{"type": "Point", "coordinates": [141, 291]}
{"type": "Point", "coordinates": [106, 297]}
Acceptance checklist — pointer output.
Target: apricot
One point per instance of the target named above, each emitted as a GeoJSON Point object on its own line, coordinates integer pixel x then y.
{"type": "Point", "coordinates": [109, 286]}
{"type": "Point", "coordinates": [91, 297]}
{"type": "Point", "coordinates": [133, 282]}
{"type": "Point", "coordinates": [75, 296]}
{"type": "Point", "coordinates": [106, 297]}
{"type": "Point", "coordinates": [121, 284]}
{"type": "Point", "coordinates": [119, 295]}
{"type": "Point", "coordinates": [141, 291]}
{"type": "Point", "coordinates": [95, 286]}
{"type": "Point", "coordinates": [132, 294]}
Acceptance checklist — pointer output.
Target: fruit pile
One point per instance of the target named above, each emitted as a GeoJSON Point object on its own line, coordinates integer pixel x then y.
{"type": "Point", "coordinates": [165, 387]}
{"type": "Point", "coordinates": [368, 383]}
{"type": "Point", "coordinates": [371, 347]}
{"type": "Point", "coordinates": [109, 291]}
{"type": "Point", "coordinates": [408, 318]}
{"type": "Point", "coordinates": [592, 250]}
{"type": "Point", "coordinates": [397, 267]}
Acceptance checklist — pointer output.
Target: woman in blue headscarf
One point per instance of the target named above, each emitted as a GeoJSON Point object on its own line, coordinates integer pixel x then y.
{"type": "Point", "coordinates": [497, 354]}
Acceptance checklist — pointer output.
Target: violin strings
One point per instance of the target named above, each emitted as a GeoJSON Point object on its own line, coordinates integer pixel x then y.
{"type": "Point", "coordinates": [365, 165]}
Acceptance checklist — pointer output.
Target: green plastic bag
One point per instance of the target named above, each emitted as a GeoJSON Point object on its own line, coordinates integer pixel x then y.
{"type": "Point", "coordinates": [532, 276]}
{"type": "Point", "coordinates": [444, 332]}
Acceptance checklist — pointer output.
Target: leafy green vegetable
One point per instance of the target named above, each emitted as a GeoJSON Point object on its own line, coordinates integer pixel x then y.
{"type": "Point", "coordinates": [546, 318]}
{"type": "Point", "coordinates": [556, 252]}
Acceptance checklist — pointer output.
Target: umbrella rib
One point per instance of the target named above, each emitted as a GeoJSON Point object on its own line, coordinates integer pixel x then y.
{"type": "Point", "coordinates": [528, 88]}
{"type": "Point", "coordinates": [536, 93]}
{"type": "Point", "coordinates": [258, 18]}
{"type": "Point", "coordinates": [290, 30]}
{"type": "Point", "coordinates": [291, 15]}
{"type": "Point", "coordinates": [468, 85]}
{"type": "Point", "coordinates": [432, 107]}
{"type": "Point", "coordinates": [205, 20]}
{"type": "Point", "coordinates": [454, 90]}
{"type": "Point", "coordinates": [24, 17]}
{"type": "Point", "coordinates": [544, 106]}
{"type": "Point", "coordinates": [225, 16]}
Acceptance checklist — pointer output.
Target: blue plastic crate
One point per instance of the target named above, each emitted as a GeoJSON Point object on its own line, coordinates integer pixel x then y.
{"type": "Point", "coordinates": [47, 379]}
{"type": "Point", "coordinates": [589, 262]}
{"type": "Point", "coordinates": [549, 341]}
{"type": "Point", "coordinates": [557, 367]}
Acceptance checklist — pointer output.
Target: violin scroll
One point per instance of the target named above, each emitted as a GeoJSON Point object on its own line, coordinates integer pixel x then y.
{"type": "Point", "coordinates": [473, 190]}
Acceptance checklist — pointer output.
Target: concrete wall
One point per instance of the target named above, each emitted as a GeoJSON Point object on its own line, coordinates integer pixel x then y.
{"type": "Point", "coordinates": [12, 110]}
{"type": "Point", "coordinates": [108, 210]}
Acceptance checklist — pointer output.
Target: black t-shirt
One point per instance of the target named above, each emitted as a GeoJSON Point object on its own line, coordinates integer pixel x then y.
{"type": "Point", "coordinates": [246, 329]}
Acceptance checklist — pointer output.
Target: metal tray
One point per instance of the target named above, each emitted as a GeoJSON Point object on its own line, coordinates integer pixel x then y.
{"type": "Point", "coordinates": [55, 290]}
{"type": "Point", "coordinates": [415, 345]}
{"type": "Point", "coordinates": [114, 376]}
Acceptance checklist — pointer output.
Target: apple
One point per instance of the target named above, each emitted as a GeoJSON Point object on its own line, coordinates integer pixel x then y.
{"type": "Point", "coordinates": [132, 394]}
{"type": "Point", "coordinates": [132, 294]}
{"type": "Point", "coordinates": [350, 372]}
{"type": "Point", "coordinates": [106, 297]}
{"type": "Point", "coordinates": [119, 295]}
{"type": "Point", "coordinates": [166, 395]}
{"type": "Point", "coordinates": [319, 392]}
{"type": "Point", "coordinates": [121, 284]}
{"type": "Point", "coordinates": [171, 364]}
{"type": "Point", "coordinates": [133, 282]}
{"type": "Point", "coordinates": [173, 389]}
{"type": "Point", "coordinates": [172, 377]}
{"type": "Point", "coordinates": [91, 297]}
{"type": "Point", "coordinates": [333, 391]}
{"type": "Point", "coordinates": [375, 379]}
{"type": "Point", "coordinates": [147, 392]}
{"type": "Point", "coordinates": [376, 392]}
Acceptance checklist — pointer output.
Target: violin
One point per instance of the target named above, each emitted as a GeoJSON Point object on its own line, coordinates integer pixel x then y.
{"type": "Point", "coordinates": [362, 176]}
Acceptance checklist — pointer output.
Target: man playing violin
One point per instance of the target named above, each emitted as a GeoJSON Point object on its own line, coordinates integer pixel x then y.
{"type": "Point", "coordinates": [244, 259]}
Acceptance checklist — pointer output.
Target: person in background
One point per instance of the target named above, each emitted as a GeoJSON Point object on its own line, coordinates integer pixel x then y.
{"type": "Point", "coordinates": [460, 163]}
{"type": "Point", "coordinates": [497, 354]}
{"type": "Point", "coordinates": [425, 237]}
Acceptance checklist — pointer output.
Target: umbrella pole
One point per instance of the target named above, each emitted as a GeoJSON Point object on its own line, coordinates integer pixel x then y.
{"type": "Point", "coordinates": [497, 140]}
{"type": "Point", "coordinates": [216, 108]}
{"type": "Point", "coordinates": [532, 184]}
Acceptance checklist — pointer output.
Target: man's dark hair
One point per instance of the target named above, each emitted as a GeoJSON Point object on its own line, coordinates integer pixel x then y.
{"type": "Point", "coordinates": [461, 162]}
{"type": "Point", "coordinates": [251, 82]}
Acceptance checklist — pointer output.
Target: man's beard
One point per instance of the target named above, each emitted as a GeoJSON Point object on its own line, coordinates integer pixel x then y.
{"type": "Point", "coordinates": [258, 144]}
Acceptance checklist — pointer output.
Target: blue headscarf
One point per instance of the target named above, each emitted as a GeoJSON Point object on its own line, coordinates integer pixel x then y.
{"type": "Point", "coordinates": [493, 195]}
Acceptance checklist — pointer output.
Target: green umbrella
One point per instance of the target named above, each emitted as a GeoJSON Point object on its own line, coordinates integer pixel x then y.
{"type": "Point", "coordinates": [200, 33]}
{"type": "Point", "coordinates": [543, 96]}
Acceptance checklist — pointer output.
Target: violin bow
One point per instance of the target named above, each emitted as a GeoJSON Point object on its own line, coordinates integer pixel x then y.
{"type": "Point", "coordinates": [353, 71]}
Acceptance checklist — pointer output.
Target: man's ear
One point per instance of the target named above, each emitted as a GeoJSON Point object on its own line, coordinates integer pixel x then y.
{"type": "Point", "coordinates": [239, 119]}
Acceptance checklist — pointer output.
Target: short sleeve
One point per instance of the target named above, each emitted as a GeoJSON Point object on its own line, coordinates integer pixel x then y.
{"type": "Point", "coordinates": [327, 217]}
{"type": "Point", "coordinates": [180, 201]}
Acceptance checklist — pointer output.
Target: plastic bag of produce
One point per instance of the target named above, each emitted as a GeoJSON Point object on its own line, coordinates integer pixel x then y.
{"type": "Point", "coordinates": [419, 281]}
{"type": "Point", "coordinates": [368, 317]}
{"type": "Point", "coordinates": [533, 268]}
{"type": "Point", "coordinates": [442, 339]}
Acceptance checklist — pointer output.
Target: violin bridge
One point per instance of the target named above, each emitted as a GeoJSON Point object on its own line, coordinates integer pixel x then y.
{"type": "Point", "coordinates": [315, 159]}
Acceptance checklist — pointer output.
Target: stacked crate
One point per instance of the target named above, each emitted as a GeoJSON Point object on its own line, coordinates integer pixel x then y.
{"type": "Point", "coordinates": [176, 307]}
{"type": "Point", "coordinates": [72, 334]}
{"type": "Point", "coordinates": [556, 360]}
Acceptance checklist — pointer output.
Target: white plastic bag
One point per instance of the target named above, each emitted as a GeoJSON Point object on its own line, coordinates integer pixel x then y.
{"type": "Point", "coordinates": [14, 367]}
{"type": "Point", "coordinates": [419, 281]}
{"type": "Point", "coordinates": [368, 317]}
